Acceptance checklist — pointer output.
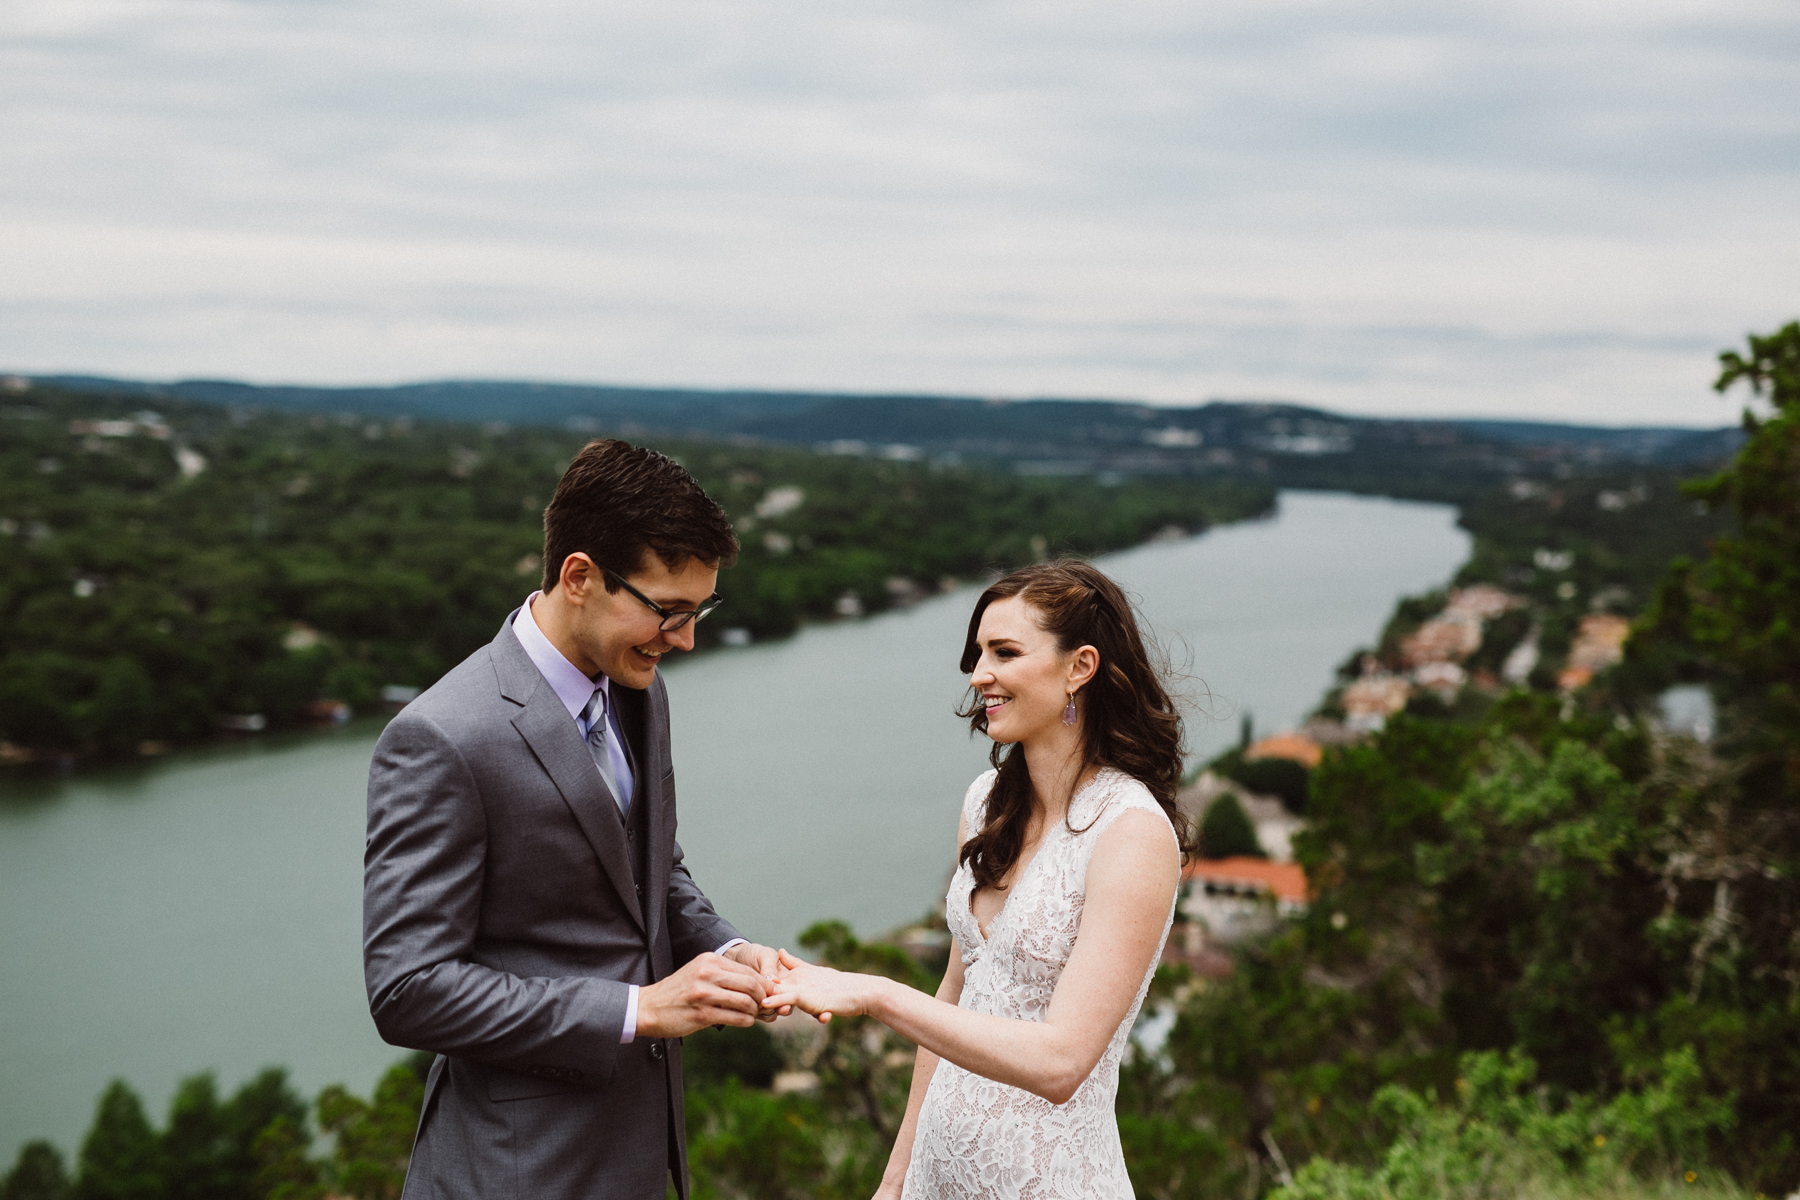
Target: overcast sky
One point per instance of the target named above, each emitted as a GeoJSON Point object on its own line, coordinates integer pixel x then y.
{"type": "Point", "coordinates": [1555, 209]}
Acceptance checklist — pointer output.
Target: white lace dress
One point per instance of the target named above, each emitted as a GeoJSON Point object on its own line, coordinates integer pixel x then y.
{"type": "Point", "coordinates": [978, 1138]}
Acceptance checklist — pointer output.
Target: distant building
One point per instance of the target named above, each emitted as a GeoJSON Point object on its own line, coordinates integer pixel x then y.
{"type": "Point", "coordinates": [143, 424]}
{"type": "Point", "coordinates": [1687, 710]}
{"type": "Point", "coordinates": [779, 502]}
{"type": "Point", "coordinates": [1233, 899]}
{"type": "Point", "coordinates": [1294, 746]}
{"type": "Point", "coordinates": [1451, 636]}
{"type": "Point", "coordinates": [1523, 660]}
{"type": "Point", "coordinates": [1484, 602]}
{"type": "Point", "coordinates": [1368, 702]}
{"type": "Point", "coordinates": [1444, 678]}
{"type": "Point", "coordinates": [1599, 644]}
{"type": "Point", "coordinates": [189, 462]}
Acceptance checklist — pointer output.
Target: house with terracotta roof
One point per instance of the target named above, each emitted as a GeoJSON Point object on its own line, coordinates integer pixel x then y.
{"type": "Point", "coordinates": [1599, 644]}
{"type": "Point", "coordinates": [1234, 899]}
{"type": "Point", "coordinates": [1296, 747]}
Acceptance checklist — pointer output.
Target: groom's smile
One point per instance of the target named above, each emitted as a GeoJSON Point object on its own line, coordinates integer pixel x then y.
{"type": "Point", "coordinates": [648, 656]}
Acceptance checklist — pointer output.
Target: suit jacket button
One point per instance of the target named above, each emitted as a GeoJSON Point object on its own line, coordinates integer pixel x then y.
{"type": "Point", "coordinates": [657, 1051]}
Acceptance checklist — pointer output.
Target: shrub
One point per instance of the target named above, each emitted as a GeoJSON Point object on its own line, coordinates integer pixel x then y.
{"type": "Point", "coordinates": [1503, 1137]}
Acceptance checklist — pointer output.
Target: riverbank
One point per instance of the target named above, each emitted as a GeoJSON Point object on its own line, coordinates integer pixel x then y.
{"type": "Point", "coordinates": [177, 574]}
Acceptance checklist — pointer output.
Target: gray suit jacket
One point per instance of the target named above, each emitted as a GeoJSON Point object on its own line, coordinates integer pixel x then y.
{"type": "Point", "coordinates": [504, 917]}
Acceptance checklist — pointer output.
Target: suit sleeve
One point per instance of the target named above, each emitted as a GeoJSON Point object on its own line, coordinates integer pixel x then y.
{"type": "Point", "coordinates": [423, 869]}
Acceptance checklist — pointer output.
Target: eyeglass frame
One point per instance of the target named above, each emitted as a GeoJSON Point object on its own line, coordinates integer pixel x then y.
{"type": "Point", "coordinates": [687, 615]}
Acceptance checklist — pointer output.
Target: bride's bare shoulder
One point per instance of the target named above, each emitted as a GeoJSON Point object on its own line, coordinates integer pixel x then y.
{"type": "Point", "coordinates": [1138, 835]}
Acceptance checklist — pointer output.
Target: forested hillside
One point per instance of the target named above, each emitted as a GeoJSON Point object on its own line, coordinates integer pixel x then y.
{"type": "Point", "coordinates": [164, 572]}
{"type": "Point", "coordinates": [1291, 445]}
{"type": "Point", "coordinates": [1554, 948]}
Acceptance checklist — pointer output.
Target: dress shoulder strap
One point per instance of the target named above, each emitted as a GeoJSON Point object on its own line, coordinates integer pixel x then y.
{"type": "Point", "coordinates": [1114, 793]}
{"type": "Point", "coordinates": [974, 809]}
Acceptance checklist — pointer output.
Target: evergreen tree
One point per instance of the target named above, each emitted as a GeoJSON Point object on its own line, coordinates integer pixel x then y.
{"type": "Point", "coordinates": [284, 1170]}
{"type": "Point", "coordinates": [1225, 831]}
{"type": "Point", "coordinates": [262, 1102]}
{"type": "Point", "coordinates": [195, 1146]}
{"type": "Point", "coordinates": [120, 1159]}
{"type": "Point", "coordinates": [1740, 609]}
{"type": "Point", "coordinates": [374, 1137]}
{"type": "Point", "coordinates": [38, 1175]}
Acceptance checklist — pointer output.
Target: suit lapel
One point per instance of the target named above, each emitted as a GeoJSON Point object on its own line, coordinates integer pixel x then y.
{"type": "Point", "coordinates": [547, 728]}
{"type": "Point", "coordinates": [639, 712]}
{"type": "Point", "coordinates": [662, 814]}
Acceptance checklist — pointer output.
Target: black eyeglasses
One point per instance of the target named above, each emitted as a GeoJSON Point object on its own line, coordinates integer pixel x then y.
{"type": "Point", "coordinates": [671, 619]}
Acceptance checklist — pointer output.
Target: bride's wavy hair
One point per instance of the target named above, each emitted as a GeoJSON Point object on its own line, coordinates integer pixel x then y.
{"type": "Point", "coordinates": [1129, 720]}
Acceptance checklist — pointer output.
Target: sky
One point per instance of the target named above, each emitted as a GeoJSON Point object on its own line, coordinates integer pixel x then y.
{"type": "Point", "coordinates": [1558, 210]}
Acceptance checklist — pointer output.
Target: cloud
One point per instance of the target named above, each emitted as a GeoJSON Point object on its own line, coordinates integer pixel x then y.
{"type": "Point", "coordinates": [1549, 209]}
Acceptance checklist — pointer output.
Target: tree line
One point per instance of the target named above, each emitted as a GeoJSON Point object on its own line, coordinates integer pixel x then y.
{"type": "Point", "coordinates": [163, 574]}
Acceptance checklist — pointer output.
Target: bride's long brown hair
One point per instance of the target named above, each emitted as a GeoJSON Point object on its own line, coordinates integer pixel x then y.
{"type": "Point", "coordinates": [1129, 720]}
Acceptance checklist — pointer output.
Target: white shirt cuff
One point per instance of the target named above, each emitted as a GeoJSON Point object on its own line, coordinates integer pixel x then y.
{"type": "Point", "coordinates": [629, 1033]}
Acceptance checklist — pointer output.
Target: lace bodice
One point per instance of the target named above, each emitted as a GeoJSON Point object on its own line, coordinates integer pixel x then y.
{"type": "Point", "coordinates": [979, 1138]}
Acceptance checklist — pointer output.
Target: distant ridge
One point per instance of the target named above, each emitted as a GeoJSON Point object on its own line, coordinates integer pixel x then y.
{"type": "Point", "coordinates": [1047, 436]}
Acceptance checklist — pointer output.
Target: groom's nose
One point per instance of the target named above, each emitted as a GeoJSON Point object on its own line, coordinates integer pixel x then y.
{"type": "Point", "coordinates": [680, 639]}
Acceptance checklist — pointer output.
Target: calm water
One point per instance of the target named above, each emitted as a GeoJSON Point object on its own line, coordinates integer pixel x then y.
{"type": "Point", "coordinates": [205, 912]}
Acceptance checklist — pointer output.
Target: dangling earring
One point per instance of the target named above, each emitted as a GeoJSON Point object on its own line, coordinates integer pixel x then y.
{"type": "Point", "coordinates": [1069, 710]}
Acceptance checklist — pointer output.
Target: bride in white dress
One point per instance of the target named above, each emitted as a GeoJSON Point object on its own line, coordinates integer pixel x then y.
{"type": "Point", "coordinates": [1068, 863]}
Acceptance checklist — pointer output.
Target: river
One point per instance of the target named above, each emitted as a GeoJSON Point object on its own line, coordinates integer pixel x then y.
{"type": "Point", "coordinates": [203, 912]}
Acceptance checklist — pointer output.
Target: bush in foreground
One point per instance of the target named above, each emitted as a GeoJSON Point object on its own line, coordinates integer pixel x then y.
{"type": "Point", "coordinates": [1503, 1136]}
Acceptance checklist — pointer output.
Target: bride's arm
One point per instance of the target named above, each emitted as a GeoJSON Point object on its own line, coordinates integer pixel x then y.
{"type": "Point", "coordinates": [924, 1066]}
{"type": "Point", "coordinates": [1131, 880]}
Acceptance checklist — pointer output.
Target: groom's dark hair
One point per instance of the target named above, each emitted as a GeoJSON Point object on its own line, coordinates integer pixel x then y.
{"type": "Point", "coordinates": [618, 501]}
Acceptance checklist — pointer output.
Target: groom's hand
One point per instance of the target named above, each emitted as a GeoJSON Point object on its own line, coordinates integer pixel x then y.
{"type": "Point", "coordinates": [709, 990]}
{"type": "Point", "coordinates": [764, 962]}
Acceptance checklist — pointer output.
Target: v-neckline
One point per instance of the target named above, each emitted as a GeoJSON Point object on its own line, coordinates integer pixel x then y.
{"type": "Point", "coordinates": [986, 935]}
{"type": "Point", "coordinates": [1024, 871]}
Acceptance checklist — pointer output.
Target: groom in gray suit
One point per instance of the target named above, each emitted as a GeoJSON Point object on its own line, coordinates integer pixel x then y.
{"type": "Point", "coordinates": [526, 913]}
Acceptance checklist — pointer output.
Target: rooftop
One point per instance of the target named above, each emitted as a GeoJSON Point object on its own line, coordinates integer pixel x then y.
{"type": "Point", "coordinates": [1298, 747]}
{"type": "Point", "coordinates": [1284, 879]}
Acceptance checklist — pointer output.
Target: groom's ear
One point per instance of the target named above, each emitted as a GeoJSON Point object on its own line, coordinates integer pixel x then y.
{"type": "Point", "coordinates": [578, 577]}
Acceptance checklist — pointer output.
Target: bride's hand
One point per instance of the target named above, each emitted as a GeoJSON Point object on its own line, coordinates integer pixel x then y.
{"type": "Point", "coordinates": [820, 991]}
